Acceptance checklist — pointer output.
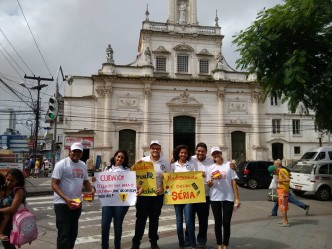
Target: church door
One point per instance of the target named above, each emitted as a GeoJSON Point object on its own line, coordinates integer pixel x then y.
{"type": "Point", "coordinates": [238, 146]}
{"type": "Point", "coordinates": [127, 141]}
{"type": "Point", "coordinates": [184, 132]}
{"type": "Point", "coordinates": [277, 151]}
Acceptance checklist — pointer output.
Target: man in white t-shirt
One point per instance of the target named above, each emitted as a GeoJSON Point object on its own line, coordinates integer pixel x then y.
{"type": "Point", "coordinates": [202, 163]}
{"type": "Point", "coordinates": [150, 206]}
{"type": "Point", "coordinates": [68, 178]}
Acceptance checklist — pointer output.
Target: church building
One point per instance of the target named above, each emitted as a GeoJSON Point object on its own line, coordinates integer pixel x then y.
{"type": "Point", "coordinates": [180, 90]}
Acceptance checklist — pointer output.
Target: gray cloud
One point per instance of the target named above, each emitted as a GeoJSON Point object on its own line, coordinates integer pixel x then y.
{"type": "Point", "coordinates": [75, 34]}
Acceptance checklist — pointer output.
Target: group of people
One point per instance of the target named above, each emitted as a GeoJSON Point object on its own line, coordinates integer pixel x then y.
{"type": "Point", "coordinates": [70, 174]}
{"type": "Point", "coordinates": [36, 168]}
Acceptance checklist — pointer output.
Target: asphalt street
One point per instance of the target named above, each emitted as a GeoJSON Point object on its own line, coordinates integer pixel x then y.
{"type": "Point", "coordinates": [252, 228]}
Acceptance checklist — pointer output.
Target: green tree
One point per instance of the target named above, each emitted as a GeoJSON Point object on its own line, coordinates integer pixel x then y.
{"type": "Point", "coordinates": [289, 48]}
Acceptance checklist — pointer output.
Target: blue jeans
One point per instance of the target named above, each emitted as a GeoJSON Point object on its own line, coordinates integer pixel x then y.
{"type": "Point", "coordinates": [187, 210]}
{"type": "Point", "coordinates": [292, 200]}
{"type": "Point", "coordinates": [67, 224]}
{"type": "Point", "coordinates": [107, 213]}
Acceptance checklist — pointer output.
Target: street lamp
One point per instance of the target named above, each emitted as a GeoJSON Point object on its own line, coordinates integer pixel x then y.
{"type": "Point", "coordinates": [32, 102]}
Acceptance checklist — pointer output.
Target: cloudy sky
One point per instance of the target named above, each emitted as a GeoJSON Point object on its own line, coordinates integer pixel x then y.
{"type": "Point", "coordinates": [75, 34]}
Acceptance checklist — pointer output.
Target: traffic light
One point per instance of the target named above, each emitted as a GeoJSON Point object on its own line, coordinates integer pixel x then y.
{"type": "Point", "coordinates": [53, 108]}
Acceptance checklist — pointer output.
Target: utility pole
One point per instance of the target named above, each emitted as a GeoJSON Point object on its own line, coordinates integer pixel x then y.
{"type": "Point", "coordinates": [37, 109]}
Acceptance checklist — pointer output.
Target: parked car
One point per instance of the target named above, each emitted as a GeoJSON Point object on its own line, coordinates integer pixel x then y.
{"type": "Point", "coordinates": [317, 154]}
{"type": "Point", "coordinates": [290, 166]}
{"type": "Point", "coordinates": [253, 174]}
{"type": "Point", "coordinates": [312, 176]}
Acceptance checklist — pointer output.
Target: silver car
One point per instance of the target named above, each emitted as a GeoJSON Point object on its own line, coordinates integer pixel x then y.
{"type": "Point", "coordinates": [312, 176]}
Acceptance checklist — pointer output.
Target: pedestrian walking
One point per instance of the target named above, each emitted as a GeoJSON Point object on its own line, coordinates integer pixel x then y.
{"type": "Point", "coordinates": [150, 206]}
{"type": "Point", "coordinates": [283, 191]}
{"type": "Point", "coordinates": [27, 167]}
{"type": "Point", "coordinates": [68, 178]}
{"type": "Point", "coordinates": [224, 196]}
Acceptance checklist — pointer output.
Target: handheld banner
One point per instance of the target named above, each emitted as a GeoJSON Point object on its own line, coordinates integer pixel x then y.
{"type": "Point", "coordinates": [145, 177]}
{"type": "Point", "coordinates": [184, 188]}
{"type": "Point", "coordinates": [116, 189]}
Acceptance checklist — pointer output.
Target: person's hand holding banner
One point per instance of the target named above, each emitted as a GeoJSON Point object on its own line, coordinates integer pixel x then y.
{"type": "Point", "coordinates": [116, 189]}
{"type": "Point", "coordinates": [184, 188]}
{"type": "Point", "coordinates": [145, 178]}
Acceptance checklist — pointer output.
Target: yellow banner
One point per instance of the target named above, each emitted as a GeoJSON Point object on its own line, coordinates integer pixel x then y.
{"type": "Point", "coordinates": [184, 188]}
{"type": "Point", "coordinates": [145, 177]}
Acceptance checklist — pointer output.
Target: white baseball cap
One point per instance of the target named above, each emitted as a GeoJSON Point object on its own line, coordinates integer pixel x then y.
{"type": "Point", "coordinates": [76, 146]}
{"type": "Point", "coordinates": [155, 142]}
{"type": "Point", "coordinates": [214, 149]}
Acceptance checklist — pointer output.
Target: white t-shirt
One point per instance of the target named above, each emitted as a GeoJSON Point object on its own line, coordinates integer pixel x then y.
{"type": "Point", "coordinates": [115, 169]}
{"type": "Point", "coordinates": [71, 176]}
{"type": "Point", "coordinates": [187, 167]}
{"type": "Point", "coordinates": [202, 166]}
{"type": "Point", "coordinates": [222, 189]}
{"type": "Point", "coordinates": [160, 167]}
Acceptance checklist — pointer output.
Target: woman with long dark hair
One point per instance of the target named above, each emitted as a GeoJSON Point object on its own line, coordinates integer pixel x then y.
{"type": "Point", "coordinates": [181, 156]}
{"type": "Point", "coordinates": [14, 197]}
{"type": "Point", "coordinates": [119, 162]}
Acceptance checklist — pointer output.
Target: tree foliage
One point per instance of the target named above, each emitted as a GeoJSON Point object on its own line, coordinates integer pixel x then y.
{"type": "Point", "coordinates": [289, 48]}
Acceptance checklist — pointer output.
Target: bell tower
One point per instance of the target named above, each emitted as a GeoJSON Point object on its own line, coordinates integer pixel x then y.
{"type": "Point", "coordinates": [182, 12]}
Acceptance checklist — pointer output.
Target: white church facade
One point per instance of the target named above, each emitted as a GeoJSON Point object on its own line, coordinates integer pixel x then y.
{"type": "Point", "coordinates": [180, 90]}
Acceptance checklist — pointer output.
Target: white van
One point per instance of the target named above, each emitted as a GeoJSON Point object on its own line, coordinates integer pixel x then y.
{"type": "Point", "coordinates": [312, 176]}
{"type": "Point", "coordinates": [319, 153]}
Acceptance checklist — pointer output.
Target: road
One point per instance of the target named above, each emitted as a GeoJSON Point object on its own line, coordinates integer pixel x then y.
{"type": "Point", "coordinates": [89, 230]}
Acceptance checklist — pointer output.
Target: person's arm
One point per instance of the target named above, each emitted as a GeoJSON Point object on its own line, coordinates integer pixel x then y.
{"type": "Point", "coordinates": [236, 193]}
{"type": "Point", "coordinates": [17, 201]}
{"type": "Point", "coordinates": [87, 185]}
{"type": "Point", "coordinates": [284, 177]}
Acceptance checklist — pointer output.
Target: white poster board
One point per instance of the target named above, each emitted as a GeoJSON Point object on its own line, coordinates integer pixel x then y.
{"type": "Point", "coordinates": [116, 189]}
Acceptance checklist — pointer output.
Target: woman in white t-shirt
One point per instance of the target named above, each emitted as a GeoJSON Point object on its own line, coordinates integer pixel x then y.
{"type": "Point", "coordinates": [181, 156]}
{"type": "Point", "coordinates": [119, 162]}
{"type": "Point", "coordinates": [224, 196]}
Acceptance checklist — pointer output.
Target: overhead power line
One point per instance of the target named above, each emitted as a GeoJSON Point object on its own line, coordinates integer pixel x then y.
{"type": "Point", "coordinates": [16, 51]}
{"type": "Point", "coordinates": [34, 39]}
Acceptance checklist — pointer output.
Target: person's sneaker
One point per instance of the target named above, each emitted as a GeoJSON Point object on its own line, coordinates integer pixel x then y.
{"type": "Point", "coordinates": [201, 246]}
{"type": "Point", "coordinates": [154, 245]}
{"type": "Point", "coordinates": [307, 209]}
{"type": "Point", "coordinates": [273, 215]}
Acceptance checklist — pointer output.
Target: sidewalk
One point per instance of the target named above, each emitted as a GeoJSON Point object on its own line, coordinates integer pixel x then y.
{"type": "Point", "coordinates": [251, 227]}
{"type": "Point", "coordinates": [38, 186]}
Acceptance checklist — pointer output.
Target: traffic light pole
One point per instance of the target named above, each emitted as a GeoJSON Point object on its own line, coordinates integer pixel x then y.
{"type": "Point", "coordinates": [55, 121]}
{"type": "Point", "coordinates": [37, 109]}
